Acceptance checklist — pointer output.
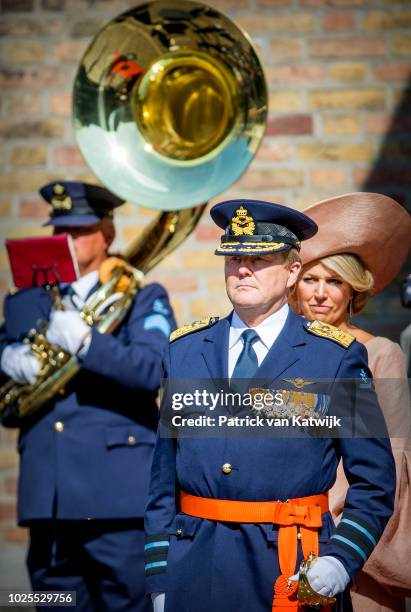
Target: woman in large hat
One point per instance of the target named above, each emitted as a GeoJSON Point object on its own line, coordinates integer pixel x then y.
{"type": "Point", "coordinates": [362, 241]}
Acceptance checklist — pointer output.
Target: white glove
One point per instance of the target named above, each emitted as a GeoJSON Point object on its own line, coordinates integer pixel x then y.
{"type": "Point", "coordinates": [158, 600]}
{"type": "Point", "coordinates": [327, 576]}
{"type": "Point", "coordinates": [68, 330]}
{"type": "Point", "coordinates": [18, 362]}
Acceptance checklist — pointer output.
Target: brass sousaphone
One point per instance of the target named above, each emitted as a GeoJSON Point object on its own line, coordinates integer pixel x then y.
{"type": "Point", "coordinates": [169, 106]}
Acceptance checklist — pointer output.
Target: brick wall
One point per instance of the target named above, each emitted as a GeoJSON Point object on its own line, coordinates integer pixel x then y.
{"type": "Point", "coordinates": [339, 121]}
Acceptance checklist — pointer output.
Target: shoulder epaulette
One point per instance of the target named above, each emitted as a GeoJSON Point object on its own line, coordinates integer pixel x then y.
{"type": "Point", "coordinates": [193, 327]}
{"type": "Point", "coordinates": [325, 330]}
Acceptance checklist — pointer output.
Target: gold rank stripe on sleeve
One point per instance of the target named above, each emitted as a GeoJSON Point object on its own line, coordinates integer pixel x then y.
{"type": "Point", "coordinates": [193, 327]}
{"type": "Point", "coordinates": [325, 330]}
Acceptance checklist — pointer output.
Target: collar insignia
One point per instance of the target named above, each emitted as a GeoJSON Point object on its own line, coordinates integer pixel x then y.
{"type": "Point", "coordinates": [242, 223]}
{"type": "Point", "coordinates": [61, 200]}
{"type": "Point", "coordinates": [366, 383]}
{"type": "Point", "coordinates": [299, 383]}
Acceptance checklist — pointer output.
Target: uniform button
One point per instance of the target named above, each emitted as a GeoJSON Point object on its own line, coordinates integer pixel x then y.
{"type": "Point", "coordinates": [179, 532]}
{"type": "Point", "coordinates": [58, 426]}
{"type": "Point", "coordinates": [132, 440]}
{"type": "Point", "coordinates": [227, 468]}
{"type": "Point", "coordinates": [298, 536]}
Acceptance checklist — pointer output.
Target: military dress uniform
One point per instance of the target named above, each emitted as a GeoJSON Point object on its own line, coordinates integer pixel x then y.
{"type": "Point", "coordinates": [225, 564]}
{"type": "Point", "coordinates": [85, 456]}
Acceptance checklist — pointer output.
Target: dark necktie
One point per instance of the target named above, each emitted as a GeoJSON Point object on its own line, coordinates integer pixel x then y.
{"type": "Point", "coordinates": [68, 292]}
{"type": "Point", "coordinates": [247, 363]}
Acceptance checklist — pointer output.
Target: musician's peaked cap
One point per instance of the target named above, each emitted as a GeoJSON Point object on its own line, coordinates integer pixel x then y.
{"type": "Point", "coordinates": [76, 204]}
{"type": "Point", "coordinates": [255, 227]}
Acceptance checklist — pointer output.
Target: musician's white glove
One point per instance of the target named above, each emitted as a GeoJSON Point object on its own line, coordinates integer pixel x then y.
{"type": "Point", "coordinates": [327, 576]}
{"type": "Point", "coordinates": [68, 330]}
{"type": "Point", "coordinates": [18, 362]}
{"type": "Point", "coordinates": [158, 600]}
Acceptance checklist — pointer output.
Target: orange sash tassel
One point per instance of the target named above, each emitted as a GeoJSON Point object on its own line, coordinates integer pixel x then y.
{"type": "Point", "coordinates": [303, 512]}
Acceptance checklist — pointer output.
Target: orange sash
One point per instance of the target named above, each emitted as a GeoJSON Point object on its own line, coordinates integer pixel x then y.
{"type": "Point", "coordinates": [303, 513]}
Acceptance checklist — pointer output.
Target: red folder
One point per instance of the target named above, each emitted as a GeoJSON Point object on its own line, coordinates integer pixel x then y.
{"type": "Point", "coordinates": [42, 261]}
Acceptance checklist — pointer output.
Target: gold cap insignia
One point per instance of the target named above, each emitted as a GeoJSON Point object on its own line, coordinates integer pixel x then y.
{"type": "Point", "coordinates": [61, 200]}
{"type": "Point", "coordinates": [242, 224]}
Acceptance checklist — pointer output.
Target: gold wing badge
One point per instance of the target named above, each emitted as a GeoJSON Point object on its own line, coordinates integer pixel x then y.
{"type": "Point", "coordinates": [299, 383]}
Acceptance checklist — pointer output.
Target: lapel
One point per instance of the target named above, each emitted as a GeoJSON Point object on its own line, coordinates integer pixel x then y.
{"type": "Point", "coordinates": [215, 349]}
{"type": "Point", "coordinates": [283, 352]}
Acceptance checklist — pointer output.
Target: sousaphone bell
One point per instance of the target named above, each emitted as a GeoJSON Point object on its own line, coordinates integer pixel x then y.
{"type": "Point", "coordinates": [170, 104]}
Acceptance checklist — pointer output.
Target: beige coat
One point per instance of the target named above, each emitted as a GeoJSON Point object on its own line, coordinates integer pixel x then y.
{"type": "Point", "coordinates": [386, 577]}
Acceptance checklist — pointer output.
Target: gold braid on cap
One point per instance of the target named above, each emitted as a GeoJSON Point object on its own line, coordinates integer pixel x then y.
{"type": "Point", "coordinates": [250, 247]}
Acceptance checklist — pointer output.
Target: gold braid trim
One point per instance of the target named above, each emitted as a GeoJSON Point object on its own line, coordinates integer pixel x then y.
{"type": "Point", "coordinates": [250, 247]}
{"type": "Point", "coordinates": [325, 330]}
{"type": "Point", "coordinates": [193, 327]}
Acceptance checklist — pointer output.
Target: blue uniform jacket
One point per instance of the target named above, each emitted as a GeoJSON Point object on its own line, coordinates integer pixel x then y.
{"type": "Point", "coordinates": [228, 567]}
{"type": "Point", "coordinates": [88, 452]}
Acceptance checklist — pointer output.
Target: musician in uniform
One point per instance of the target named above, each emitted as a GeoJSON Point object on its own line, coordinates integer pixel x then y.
{"type": "Point", "coordinates": [231, 517]}
{"type": "Point", "coordinates": [85, 456]}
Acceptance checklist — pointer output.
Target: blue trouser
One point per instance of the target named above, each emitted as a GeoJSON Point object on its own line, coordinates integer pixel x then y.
{"type": "Point", "coordinates": [101, 560]}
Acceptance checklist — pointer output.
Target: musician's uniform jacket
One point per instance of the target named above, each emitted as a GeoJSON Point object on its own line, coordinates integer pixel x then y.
{"type": "Point", "coordinates": [87, 453]}
{"type": "Point", "coordinates": [205, 565]}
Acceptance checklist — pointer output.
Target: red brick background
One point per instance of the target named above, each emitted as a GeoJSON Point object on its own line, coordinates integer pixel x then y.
{"type": "Point", "coordinates": [338, 74]}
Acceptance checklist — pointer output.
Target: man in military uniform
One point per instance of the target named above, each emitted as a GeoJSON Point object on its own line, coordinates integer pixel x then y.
{"type": "Point", "coordinates": [231, 517]}
{"type": "Point", "coordinates": [85, 456]}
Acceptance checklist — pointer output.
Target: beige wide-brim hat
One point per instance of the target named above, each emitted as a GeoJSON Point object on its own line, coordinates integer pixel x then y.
{"type": "Point", "coordinates": [372, 226]}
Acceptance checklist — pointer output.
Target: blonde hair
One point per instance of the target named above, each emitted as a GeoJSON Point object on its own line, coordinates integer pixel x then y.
{"type": "Point", "coordinates": [351, 269]}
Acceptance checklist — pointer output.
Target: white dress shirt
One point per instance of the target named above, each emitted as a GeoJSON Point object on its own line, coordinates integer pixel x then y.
{"type": "Point", "coordinates": [267, 331]}
{"type": "Point", "coordinates": [81, 289]}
